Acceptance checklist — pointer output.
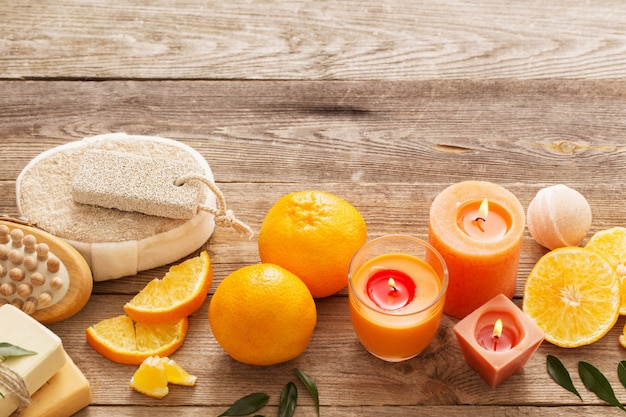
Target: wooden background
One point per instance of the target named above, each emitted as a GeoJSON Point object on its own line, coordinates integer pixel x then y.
{"type": "Point", "coordinates": [384, 103]}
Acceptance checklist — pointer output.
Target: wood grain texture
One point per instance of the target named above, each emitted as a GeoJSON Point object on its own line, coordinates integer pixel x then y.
{"type": "Point", "coordinates": [345, 373]}
{"type": "Point", "coordinates": [382, 103]}
{"type": "Point", "coordinates": [329, 40]}
{"type": "Point", "coordinates": [369, 411]}
{"type": "Point", "coordinates": [341, 131]}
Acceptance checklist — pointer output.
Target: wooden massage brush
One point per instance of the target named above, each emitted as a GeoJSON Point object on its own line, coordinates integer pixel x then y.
{"type": "Point", "coordinates": [41, 274]}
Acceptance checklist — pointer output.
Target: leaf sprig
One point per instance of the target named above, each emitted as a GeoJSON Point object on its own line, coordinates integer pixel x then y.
{"type": "Point", "coordinates": [8, 350]}
{"type": "Point", "coordinates": [288, 399]}
{"type": "Point", "coordinates": [591, 377]}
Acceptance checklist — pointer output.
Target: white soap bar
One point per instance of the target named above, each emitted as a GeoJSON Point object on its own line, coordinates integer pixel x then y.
{"type": "Point", "coordinates": [20, 329]}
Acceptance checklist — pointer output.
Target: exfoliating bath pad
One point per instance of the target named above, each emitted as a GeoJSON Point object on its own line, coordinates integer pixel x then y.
{"type": "Point", "coordinates": [114, 242]}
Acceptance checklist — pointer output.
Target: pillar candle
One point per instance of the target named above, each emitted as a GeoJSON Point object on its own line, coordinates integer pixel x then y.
{"type": "Point", "coordinates": [481, 249]}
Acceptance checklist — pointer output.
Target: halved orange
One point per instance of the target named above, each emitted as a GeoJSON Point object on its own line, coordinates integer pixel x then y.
{"type": "Point", "coordinates": [122, 340]}
{"type": "Point", "coordinates": [612, 244]}
{"type": "Point", "coordinates": [178, 294]}
{"type": "Point", "coordinates": [573, 295]}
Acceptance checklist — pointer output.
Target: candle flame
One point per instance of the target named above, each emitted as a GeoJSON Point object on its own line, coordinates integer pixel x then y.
{"type": "Point", "coordinates": [497, 329]}
{"type": "Point", "coordinates": [483, 210]}
{"type": "Point", "coordinates": [392, 284]}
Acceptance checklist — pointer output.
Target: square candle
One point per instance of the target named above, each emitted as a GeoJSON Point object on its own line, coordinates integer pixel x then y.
{"type": "Point", "coordinates": [497, 339]}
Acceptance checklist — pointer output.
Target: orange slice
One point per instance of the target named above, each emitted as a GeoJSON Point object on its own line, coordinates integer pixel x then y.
{"type": "Point", "coordinates": [612, 244]}
{"type": "Point", "coordinates": [150, 378]}
{"type": "Point", "coordinates": [124, 341]}
{"type": "Point", "coordinates": [573, 295]}
{"type": "Point", "coordinates": [178, 294]}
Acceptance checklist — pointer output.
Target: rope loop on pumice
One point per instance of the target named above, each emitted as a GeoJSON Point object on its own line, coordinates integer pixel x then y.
{"type": "Point", "coordinates": [223, 216]}
{"type": "Point", "coordinates": [15, 385]}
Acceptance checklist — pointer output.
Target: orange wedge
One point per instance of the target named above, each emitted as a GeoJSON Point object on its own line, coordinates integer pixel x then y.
{"type": "Point", "coordinates": [124, 341]}
{"type": "Point", "coordinates": [612, 244]}
{"type": "Point", "coordinates": [150, 378]}
{"type": "Point", "coordinates": [154, 373]}
{"type": "Point", "coordinates": [176, 374]}
{"type": "Point", "coordinates": [178, 294]}
{"type": "Point", "coordinates": [573, 295]}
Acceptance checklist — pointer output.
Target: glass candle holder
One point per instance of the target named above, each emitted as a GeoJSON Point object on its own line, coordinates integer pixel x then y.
{"type": "Point", "coordinates": [397, 288]}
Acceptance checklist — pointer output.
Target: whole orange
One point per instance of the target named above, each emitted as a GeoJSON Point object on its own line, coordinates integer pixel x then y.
{"type": "Point", "coordinates": [313, 234]}
{"type": "Point", "coordinates": [262, 315]}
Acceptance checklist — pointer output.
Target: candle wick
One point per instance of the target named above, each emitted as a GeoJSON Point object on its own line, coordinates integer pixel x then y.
{"type": "Point", "coordinates": [495, 342]}
{"type": "Point", "coordinates": [479, 223]}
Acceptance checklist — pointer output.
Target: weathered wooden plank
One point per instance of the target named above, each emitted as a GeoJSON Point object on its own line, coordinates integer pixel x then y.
{"type": "Point", "coordinates": [388, 148]}
{"type": "Point", "coordinates": [400, 208]}
{"type": "Point", "coordinates": [407, 132]}
{"type": "Point", "coordinates": [349, 39]}
{"type": "Point", "coordinates": [387, 209]}
{"type": "Point", "coordinates": [345, 373]}
{"type": "Point", "coordinates": [366, 411]}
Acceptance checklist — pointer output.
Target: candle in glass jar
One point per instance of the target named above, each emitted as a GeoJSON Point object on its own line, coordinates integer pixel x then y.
{"type": "Point", "coordinates": [477, 227]}
{"type": "Point", "coordinates": [396, 297]}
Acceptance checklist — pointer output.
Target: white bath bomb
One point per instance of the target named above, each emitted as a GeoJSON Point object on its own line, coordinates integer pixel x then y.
{"type": "Point", "coordinates": [558, 216]}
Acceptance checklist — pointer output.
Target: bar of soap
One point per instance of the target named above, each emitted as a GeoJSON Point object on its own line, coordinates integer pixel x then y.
{"type": "Point", "coordinates": [66, 393]}
{"type": "Point", "coordinates": [18, 328]}
{"type": "Point", "coordinates": [130, 182]}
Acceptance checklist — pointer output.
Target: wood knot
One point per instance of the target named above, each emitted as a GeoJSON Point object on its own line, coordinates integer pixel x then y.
{"type": "Point", "coordinates": [566, 147]}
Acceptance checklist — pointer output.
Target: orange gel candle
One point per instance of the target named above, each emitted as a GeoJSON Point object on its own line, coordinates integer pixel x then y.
{"type": "Point", "coordinates": [396, 302]}
{"type": "Point", "coordinates": [481, 249]}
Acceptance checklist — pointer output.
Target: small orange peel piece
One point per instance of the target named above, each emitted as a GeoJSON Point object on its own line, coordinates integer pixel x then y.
{"type": "Point", "coordinates": [622, 337]}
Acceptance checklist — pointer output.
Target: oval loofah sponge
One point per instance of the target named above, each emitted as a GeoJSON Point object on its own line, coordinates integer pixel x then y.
{"type": "Point", "coordinates": [558, 216]}
{"type": "Point", "coordinates": [114, 243]}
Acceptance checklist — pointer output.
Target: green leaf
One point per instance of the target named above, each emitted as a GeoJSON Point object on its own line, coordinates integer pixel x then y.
{"type": "Point", "coordinates": [560, 375]}
{"type": "Point", "coordinates": [310, 386]}
{"type": "Point", "coordinates": [8, 350]}
{"type": "Point", "coordinates": [597, 383]}
{"type": "Point", "coordinates": [288, 400]}
{"type": "Point", "coordinates": [247, 405]}
{"type": "Point", "coordinates": [621, 372]}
